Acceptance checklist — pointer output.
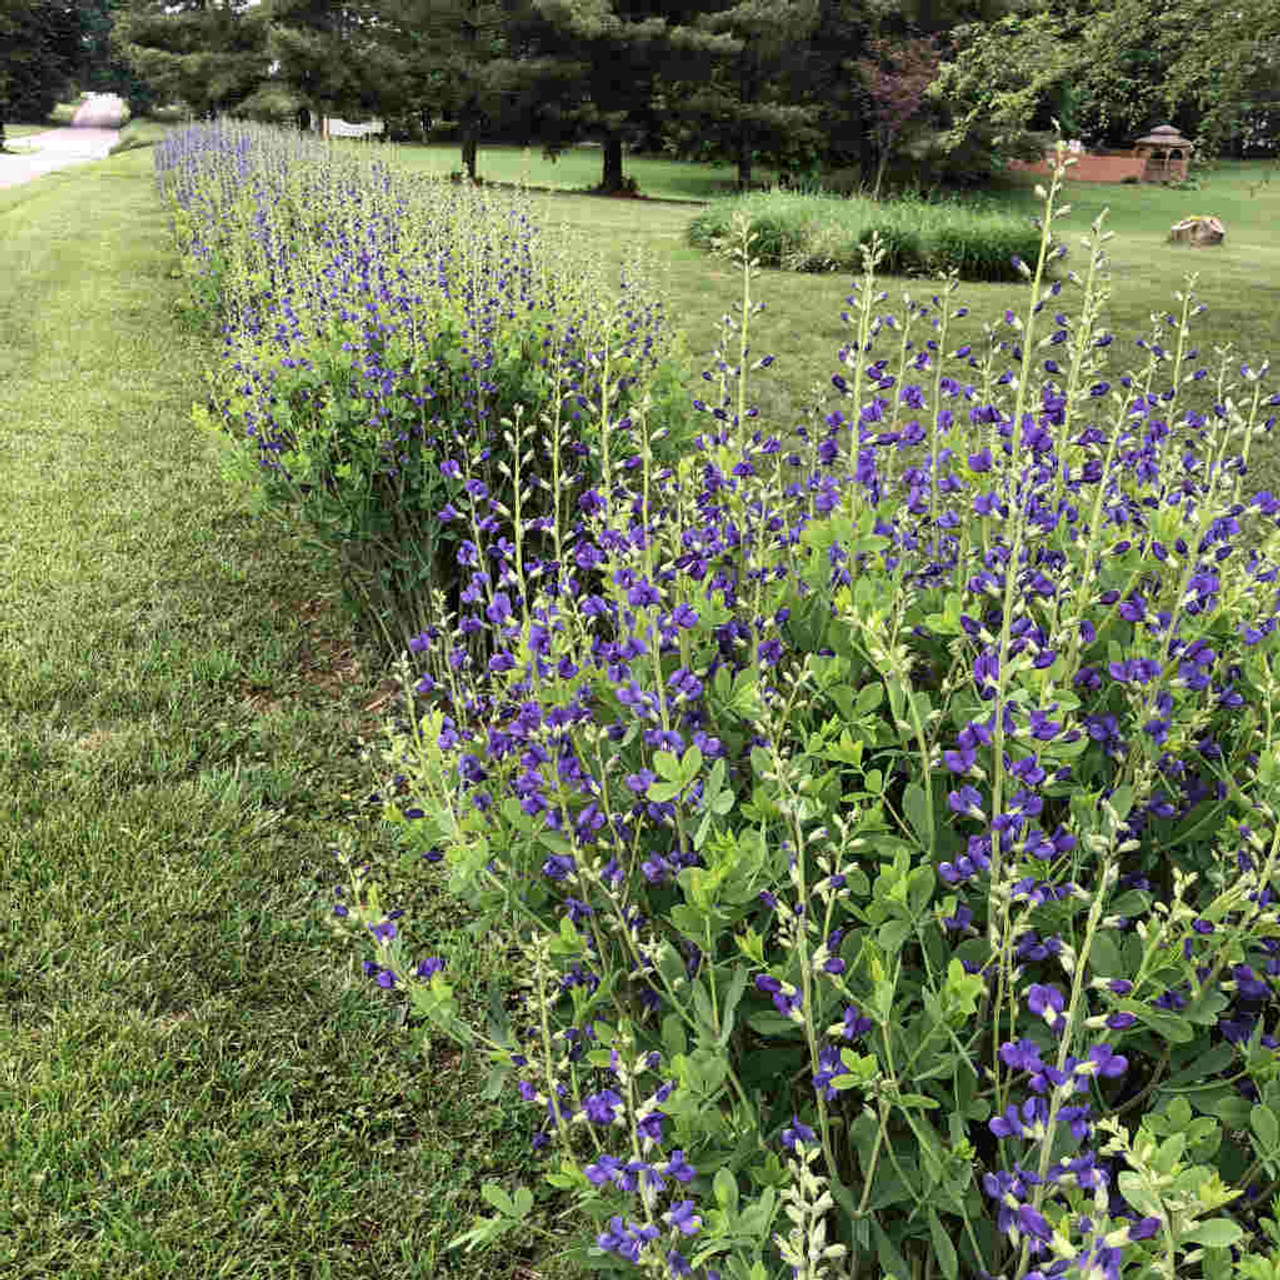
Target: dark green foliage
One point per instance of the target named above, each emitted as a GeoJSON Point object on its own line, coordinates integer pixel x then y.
{"type": "Point", "coordinates": [738, 113]}
{"type": "Point", "coordinates": [41, 44]}
{"type": "Point", "coordinates": [209, 56]}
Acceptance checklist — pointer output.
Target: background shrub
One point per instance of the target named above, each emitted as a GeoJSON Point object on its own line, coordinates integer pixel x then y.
{"type": "Point", "coordinates": [807, 232]}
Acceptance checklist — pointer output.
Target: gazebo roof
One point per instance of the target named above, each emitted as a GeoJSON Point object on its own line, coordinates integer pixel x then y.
{"type": "Point", "coordinates": [1164, 135]}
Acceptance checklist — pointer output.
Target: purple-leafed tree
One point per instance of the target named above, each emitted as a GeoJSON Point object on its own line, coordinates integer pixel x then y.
{"type": "Point", "coordinates": [896, 77]}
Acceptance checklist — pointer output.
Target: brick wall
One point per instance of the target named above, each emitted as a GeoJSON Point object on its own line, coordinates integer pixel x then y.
{"type": "Point", "coordinates": [1114, 168]}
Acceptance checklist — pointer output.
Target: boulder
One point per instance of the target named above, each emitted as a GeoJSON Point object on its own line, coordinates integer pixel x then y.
{"type": "Point", "coordinates": [1199, 230]}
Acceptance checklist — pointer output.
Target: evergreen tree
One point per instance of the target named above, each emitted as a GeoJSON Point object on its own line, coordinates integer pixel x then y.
{"type": "Point", "coordinates": [209, 54]}
{"type": "Point", "coordinates": [737, 110]}
{"type": "Point", "coordinates": [41, 42]}
{"type": "Point", "coordinates": [329, 57]}
{"type": "Point", "coordinates": [602, 61]}
{"type": "Point", "coordinates": [468, 60]}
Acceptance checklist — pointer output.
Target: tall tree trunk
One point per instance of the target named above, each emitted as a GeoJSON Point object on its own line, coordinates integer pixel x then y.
{"type": "Point", "coordinates": [612, 177]}
{"type": "Point", "coordinates": [747, 91]}
{"type": "Point", "coordinates": [470, 130]}
{"type": "Point", "coordinates": [744, 157]}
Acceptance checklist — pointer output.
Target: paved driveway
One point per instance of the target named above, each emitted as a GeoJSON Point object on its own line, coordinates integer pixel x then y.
{"type": "Point", "coordinates": [91, 137]}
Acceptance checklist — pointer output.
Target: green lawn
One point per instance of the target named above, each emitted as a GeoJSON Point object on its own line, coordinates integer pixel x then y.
{"type": "Point", "coordinates": [23, 130]}
{"type": "Point", "coordinates": [194, 1078]}
{"type": "Point", "coordinates": [801, 325]}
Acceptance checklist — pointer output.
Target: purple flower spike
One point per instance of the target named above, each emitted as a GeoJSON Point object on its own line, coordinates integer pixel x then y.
{"type": "Point", "coordinates": [1047, 1003]}
{"type": "Point", "coordinates": [1033, 1222]}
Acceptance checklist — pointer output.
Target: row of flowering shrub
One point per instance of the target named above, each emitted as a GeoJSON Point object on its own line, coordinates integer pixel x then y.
{"type": "Point", "coordinates": [376, 323]}
{"type": "Point", "coordinates": [885, 810]}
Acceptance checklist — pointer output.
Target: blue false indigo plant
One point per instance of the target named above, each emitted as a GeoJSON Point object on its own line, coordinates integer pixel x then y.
{"type": "Point", "coordinates": [378, 327]}
{"type": "Point", "coordinates": [886, 809]}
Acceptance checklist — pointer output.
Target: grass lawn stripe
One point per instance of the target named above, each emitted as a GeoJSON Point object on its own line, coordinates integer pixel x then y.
{"type": "Point", "coordinates": [194, 1078]}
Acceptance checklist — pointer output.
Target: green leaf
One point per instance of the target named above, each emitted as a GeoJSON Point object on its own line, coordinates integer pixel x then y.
{"type": "Point", "coordinates": [1205, 1067]}
{"type": "Point", "coordinates": [1139, 1198]}
{"type": "Point", "coordinates": [943, 1250]}
{"type": "Point", "coordinates": [1122, 801]}
{"type": "Point", "coordinates": [661, 792]}
{"type": "Point", "coordinates": [1265, 1125]}
{"type": "Point", "coordinates": [892, 1263]}
{"type": "Point", "coordinates": [729, 1003]}
{"type": "Point", "coordinates": [1232, 1110]}
{"type": "Point", "coordinates": [1167, 1026]}
{"type": "Point", "coordinates": [1134, 902]}
{"type": "Point", "coordinates": [1217, 1233]}
{"type": "Point", "coordinates": [667, 765]}
{"type": "Point", "coordinates": [1104, 957]}
{"type": "Point", "coordinates": [557, 844]}
{"type": "Point", "coordinates": [767, 1023]}
{"type": "Point", "coordinates": [725, 1185]}
{"type": "Point", "coordinates": [893, 936]}
{"type": "Point", "coordinates": [1206, 1007]}
{"type": "Point", "coordinates": [916, 804]}
{"type": "Point", "coordinates": [869, 698]}
{"type": "Point", "coordinates": [494, 1195]}
{"type": "Point", "coordinates": [909, 1100]}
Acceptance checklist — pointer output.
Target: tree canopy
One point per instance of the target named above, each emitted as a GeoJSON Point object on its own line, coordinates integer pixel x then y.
{"type": "Point", "coordinates": [802, 84]}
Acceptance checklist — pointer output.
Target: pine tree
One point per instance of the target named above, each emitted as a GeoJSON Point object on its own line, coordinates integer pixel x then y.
{"type": "Point", "coordinates": [209, 54]}
{"type": "Point", "coordinates": [603, 61]}
{"type": "Point", "coordinates": [738, 109]}
{"type": "Point", "coordinates": [41, 40]}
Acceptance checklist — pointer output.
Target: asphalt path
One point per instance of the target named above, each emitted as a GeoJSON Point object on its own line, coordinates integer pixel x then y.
{"type": "Point", "coordinates": [91, 136]}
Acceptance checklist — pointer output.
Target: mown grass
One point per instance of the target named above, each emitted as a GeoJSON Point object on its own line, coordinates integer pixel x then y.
{"type": "Point", "coordinates": [193, 1075]}
{"type": "Point", "coordinates": [139, 132]}
{"type": "Point", "coordinates": [193, 1078]}
{"type": "Point", "coordinates": [802, 323]}
{"type": "Point", "coordinates": [23, 130]}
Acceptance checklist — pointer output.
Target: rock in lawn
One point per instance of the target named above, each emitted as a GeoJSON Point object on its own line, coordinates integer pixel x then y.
{"type": "Point", "coordinates": [1199, 230]}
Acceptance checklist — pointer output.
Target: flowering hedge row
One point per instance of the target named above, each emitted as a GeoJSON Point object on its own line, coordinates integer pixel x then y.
{"type": "Point", "coordinates": [886, 811]}
{"type": "Point", "coordinates": [375, 323]}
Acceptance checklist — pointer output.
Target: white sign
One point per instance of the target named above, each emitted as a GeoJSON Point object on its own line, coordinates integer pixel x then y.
{"type": "Point", "coordinates": [341, 129]}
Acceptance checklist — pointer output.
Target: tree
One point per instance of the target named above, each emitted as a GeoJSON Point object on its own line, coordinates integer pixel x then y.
{"type": "Point", "coordinates": [738, 109]}
{"type": "Point", "coordinates": [209, 54]}
{"type": "Point", "coordinates": [330, 57]}
{"type": "Point", "coordinates": [1197, 64]}
{"type": "Point", "coordinates": [896, 78]}
{"type": "Point", "coordinates": [602, 60]}
{"type": "Point", "coordinates": [468, 59]}
{"type": "Point", "coordinates": [41, 39]}
{"type": "Point", "coordinates": [1121, 65]}
{"type": "Point", "coordinates": [997, 76]}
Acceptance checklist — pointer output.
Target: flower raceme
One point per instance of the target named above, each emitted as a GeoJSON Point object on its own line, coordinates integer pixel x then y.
{"type": "Point", "coordinates": [882, 807]}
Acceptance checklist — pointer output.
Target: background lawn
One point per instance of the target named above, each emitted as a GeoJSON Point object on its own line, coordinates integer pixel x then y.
{"type": "Point", "coordinates": [23, 130]}
{"type": "Point", "coordinates": [193, 1074]}
{"type": "Point", "coordinates": [801, 325]}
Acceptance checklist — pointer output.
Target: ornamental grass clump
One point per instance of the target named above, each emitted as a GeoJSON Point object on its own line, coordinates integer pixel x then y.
{"type": "Point", "coordinates": [885, 811]}
{"type": "Point", "coordinates": [816, 232]}
{"type": "Point", "coordinates": [376, 323]}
